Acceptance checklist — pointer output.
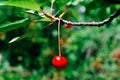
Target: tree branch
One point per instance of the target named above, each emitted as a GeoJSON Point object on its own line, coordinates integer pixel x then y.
{"type": "Point", "coordinates": [114, 15]}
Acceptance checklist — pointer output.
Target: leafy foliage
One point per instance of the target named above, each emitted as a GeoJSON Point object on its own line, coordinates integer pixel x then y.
{"type": "Point", "coordinates": [92, 52]}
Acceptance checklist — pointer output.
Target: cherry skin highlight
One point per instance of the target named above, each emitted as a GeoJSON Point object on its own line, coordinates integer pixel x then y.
{"type": "Point", "coordinates": [67, 25]}
{"type": "Point", "coordinates": [59, 62]}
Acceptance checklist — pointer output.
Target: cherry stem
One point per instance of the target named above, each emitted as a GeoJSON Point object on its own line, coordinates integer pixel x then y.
{"type": "Point", "coordinates": [59, 49]}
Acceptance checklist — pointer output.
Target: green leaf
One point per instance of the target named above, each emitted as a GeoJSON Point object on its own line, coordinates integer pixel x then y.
{"type": "Point", "coordinates": [45, 19]}
{"type": "Point", "coordinates": [14, 39]}
{"type": "Point", "coordinates": [52, 1]}
{"type": "Point", "coordinates": [61, 15]}
{"type": "Point", "coordinates": [2, 3]}
{"type": "Point", "coordinates": [27, 34]}
{"type": "Point", "coordinates": [22, 37]}
{"type": "Point", "coordinates": [117, 6]}
{"type": "Point", "coordinates": [8, 26]}
{"type": "Point", "coordinates": [28, 4]}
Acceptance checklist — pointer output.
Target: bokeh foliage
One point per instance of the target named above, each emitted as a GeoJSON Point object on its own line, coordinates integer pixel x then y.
{"type": "Point", "coordinates": [92, 52]}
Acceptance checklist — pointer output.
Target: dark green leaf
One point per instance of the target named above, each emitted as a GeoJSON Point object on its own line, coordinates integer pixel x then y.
{"type": "Point", "coordinates": [8, 26]}
{"type": "Point", "coordinates": [23, 36]}
{"type": "Point", "coordinates": [26, 35]}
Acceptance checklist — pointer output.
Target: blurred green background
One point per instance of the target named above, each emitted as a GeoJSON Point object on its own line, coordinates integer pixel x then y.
{"type": "Point", "coordinates": [93, 53]}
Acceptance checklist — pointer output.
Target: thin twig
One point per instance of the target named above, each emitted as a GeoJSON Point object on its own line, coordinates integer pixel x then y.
{"type": "Point", "coordinates": [51, 8]}
{"type": "Point", "coordinates": [46, 14]}
{"type": "Point", "coordinates": [101, 23]}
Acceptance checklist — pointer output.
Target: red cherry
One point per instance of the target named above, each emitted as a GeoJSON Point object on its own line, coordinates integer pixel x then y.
{"type": "Point", "coordinates": [67, 25]}
{"type": "Point", "coordinates": [59, 62]}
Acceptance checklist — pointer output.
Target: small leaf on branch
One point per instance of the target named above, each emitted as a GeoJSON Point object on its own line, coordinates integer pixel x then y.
{"type": "Point", "coordinates": [23, 36]}
{"type": "Point", "coordinates": [61, 15]}
{"type": "Point", "coordinates": [14, 39]}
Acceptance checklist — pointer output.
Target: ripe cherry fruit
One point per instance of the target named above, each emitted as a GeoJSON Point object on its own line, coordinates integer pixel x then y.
{"type": "Point", "coordinates": [59, 62]}
{"type": "Point", "coordinates": [67, 25]}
